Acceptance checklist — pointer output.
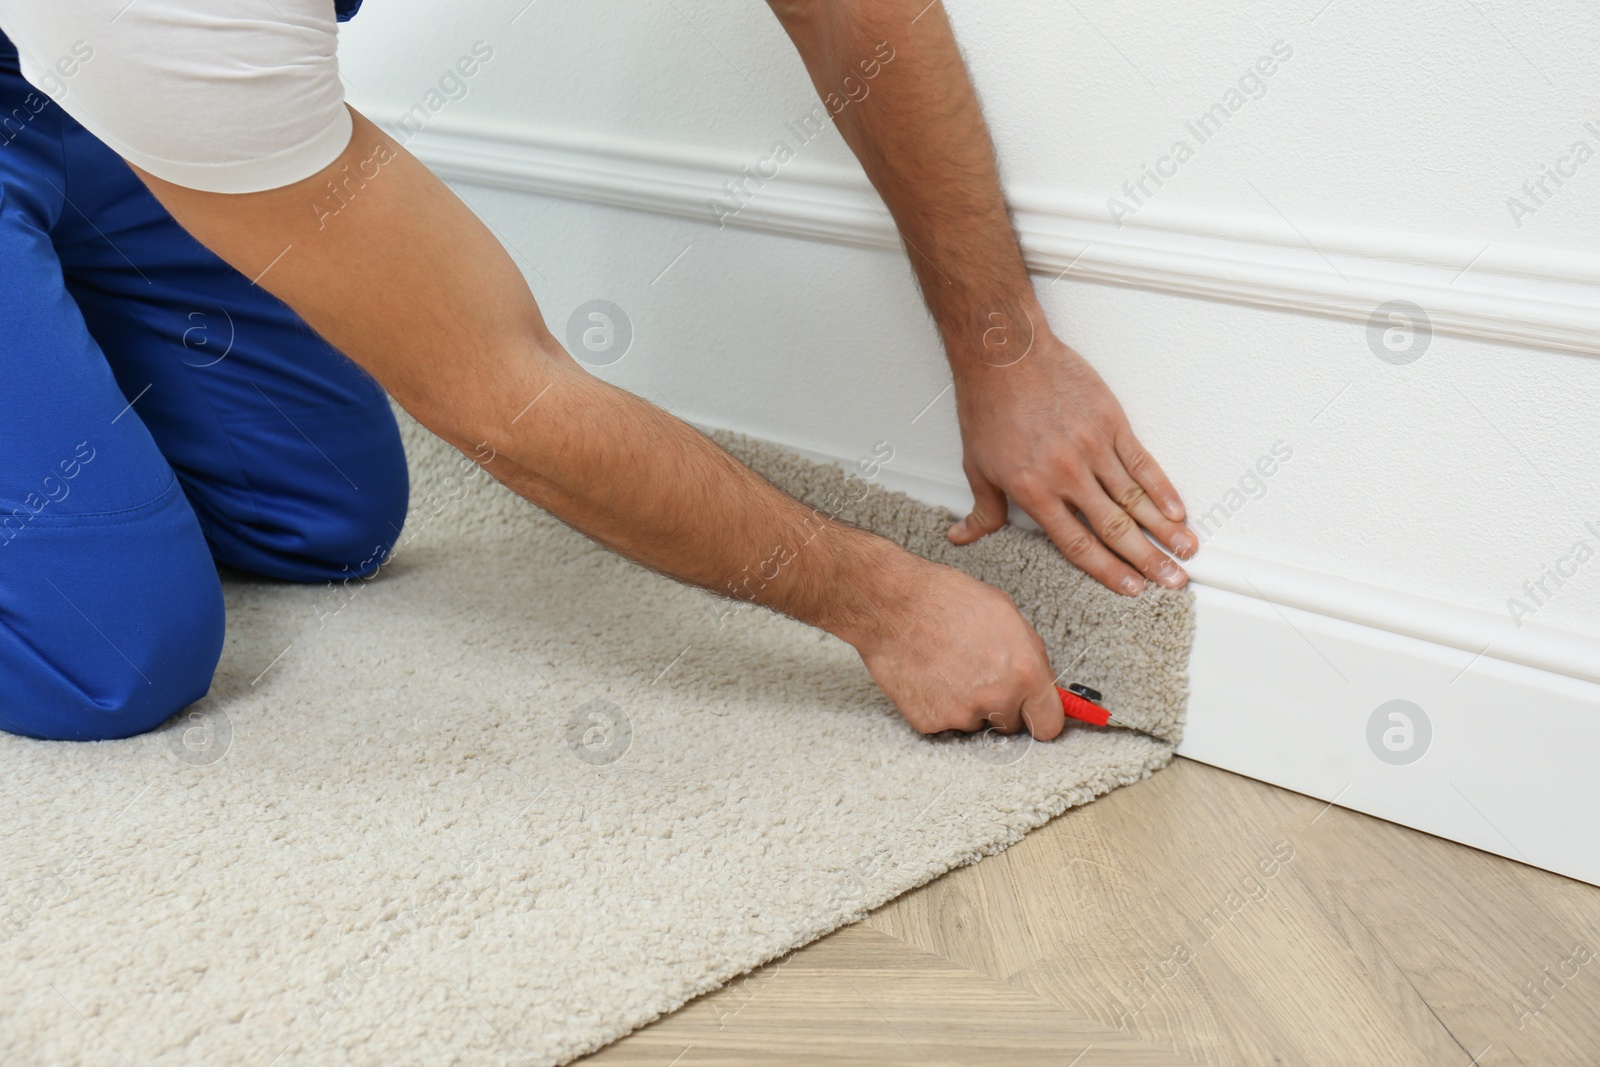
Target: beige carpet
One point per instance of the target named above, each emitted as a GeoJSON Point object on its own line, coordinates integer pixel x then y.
{"type": "Point", "coordinates": [516, 797]}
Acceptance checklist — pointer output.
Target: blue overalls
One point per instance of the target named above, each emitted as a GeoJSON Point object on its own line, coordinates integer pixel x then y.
{"type": "Point", "coordinates": [158, 414]}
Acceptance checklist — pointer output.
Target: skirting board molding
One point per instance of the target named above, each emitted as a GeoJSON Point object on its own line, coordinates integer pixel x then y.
{"type": "Point", "coordinates": [1493, 754]}
{"type": "Point", "coordinates": [1517, 293]}
{"type": "Point", "coordinates": [1293, 678]}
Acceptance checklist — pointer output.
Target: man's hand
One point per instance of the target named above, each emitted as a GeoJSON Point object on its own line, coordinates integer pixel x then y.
{"type": "Point", "coordinates": [954, 654]}
{"type": "Point", "coordinates": [1043, 429]}
{"type": "Point", "coordinates": [1039, 426]}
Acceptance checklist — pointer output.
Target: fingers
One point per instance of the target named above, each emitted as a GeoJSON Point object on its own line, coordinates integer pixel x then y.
{"type": "Point", "coordinates": [1042, 713]}
{"type": "Point", "coordinates": [1120, 533]}
{"type": "Point", "coordinates": [1086, 551]}
{"type": "Point", "coordinates": [988, 511]}
{"type": "Point", "coordinates": [1132, 498]}
{"type": "Point", "coordinates": [1119, 505]}
{"type": "Point", "coordinates": [962, 657]}
{"type": "Point", "coordinates": [1148, 473]}
{"type": "Point", "coordinates": [1006, 721]}
{"type": "Point", "coordinates": [1039, 714]}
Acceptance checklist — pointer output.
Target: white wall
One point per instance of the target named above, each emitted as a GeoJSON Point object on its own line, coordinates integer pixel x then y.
{"type": "Point", "coordinates": [1420, 117]}
{"type": "Point", "coordinates": [1392, 135]}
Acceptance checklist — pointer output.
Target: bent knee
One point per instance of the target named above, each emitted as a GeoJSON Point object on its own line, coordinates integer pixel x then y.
{"type": "Point", "coordinates": [318, 512]}
{"type": "Point", "coordinates": [109, 625]}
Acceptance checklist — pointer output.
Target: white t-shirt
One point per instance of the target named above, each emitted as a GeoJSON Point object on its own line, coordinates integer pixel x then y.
{"type": "Point", "coordinates": [227, 96]}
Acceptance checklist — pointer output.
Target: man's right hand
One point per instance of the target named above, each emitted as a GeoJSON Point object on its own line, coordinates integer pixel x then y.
{"type": "Point", "coordinates": [954, 654]}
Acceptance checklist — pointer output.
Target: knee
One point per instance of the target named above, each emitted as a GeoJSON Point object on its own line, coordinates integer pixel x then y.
{"type": "Point", "coordinates": [354, 537]}
{"type": "Point", "coordinates": [327, 515]}
{"type": "Point", "coordinates": [109, 629]}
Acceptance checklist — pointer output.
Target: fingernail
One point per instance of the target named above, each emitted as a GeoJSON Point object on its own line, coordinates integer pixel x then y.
{"type": "Point", "coordinates": [1132, 586]}
{"type": "Point", "coordinates": [1183, 544]}
{"type": "Point", "coordinates": [1170, 575]}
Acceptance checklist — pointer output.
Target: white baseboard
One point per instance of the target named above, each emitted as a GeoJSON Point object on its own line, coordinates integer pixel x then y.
{"type": "Point", "coordinates": [1285, 695]}
{"type": "Point", "coordinates": [1518, 293]}
{"type": "Point", "coordinates": [1289, 666]}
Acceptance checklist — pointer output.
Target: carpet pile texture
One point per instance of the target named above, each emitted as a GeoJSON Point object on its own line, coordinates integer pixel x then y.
{"type": "Point", "coordinates": [515, 796]}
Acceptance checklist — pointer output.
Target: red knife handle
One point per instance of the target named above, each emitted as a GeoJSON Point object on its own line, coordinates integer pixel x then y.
{"type": "Point", "coordinates": [1083, 710]}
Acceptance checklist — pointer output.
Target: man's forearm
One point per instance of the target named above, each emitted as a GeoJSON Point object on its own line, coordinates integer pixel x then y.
{"type": "Point", "coordinates": [667, 497]}
{"type": "Point", "coordinates": [915, 124]}
{"type": "Point", "coordinates": [1043, 432]}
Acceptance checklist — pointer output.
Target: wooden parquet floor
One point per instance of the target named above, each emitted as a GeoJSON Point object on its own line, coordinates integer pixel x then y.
{"type": "Point", "coordinates": [1194, 918]}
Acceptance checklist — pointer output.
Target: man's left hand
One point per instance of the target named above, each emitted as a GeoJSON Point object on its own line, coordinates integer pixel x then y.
{"type": "Point", "coordinates": [1041, 428]}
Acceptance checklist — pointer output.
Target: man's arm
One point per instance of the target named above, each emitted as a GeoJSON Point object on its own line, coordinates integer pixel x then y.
{"type": "Point", "coordinates": [1038, 424]}
{"type": "Point", "coordinates": [407, 282]}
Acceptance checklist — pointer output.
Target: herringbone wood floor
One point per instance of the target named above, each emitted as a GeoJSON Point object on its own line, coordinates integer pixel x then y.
{"type": "Point", "coordinates": [1194, 918]}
